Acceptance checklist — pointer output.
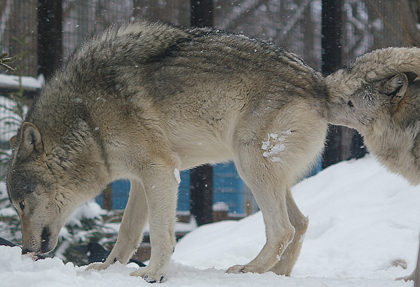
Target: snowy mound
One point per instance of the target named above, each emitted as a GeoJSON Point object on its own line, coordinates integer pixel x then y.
{"type": "Point", "coordinates": [361, 219]}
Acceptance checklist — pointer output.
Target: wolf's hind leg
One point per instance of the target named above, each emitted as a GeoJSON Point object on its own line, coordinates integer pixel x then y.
{"type": "Point", "coordinates": [291, 254]}
{"type": "Point", "coordinates": [131, 230]}
{"type": "Point", "coordinates": [269, 189]}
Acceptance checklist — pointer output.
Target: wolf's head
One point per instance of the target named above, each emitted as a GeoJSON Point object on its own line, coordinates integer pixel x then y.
{"type": "Point", "coordinates": [376, 101]}
{"type": "Point", "coordinates": [373, 88]}
{"type": "Point", "coordinates": [32, 191]}
{"type": "Point", "coordinates": [43, 185]}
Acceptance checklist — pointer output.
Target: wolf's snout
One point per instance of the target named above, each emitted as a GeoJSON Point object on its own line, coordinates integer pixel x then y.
{"type": "Point", "coordinates": [38, 247]}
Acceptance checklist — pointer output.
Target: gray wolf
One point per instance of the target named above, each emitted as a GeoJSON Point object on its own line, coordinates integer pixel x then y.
{"type": "Point", "coordinates": [378, 95]}
{"type": "Point", "coordinates": [144, 100]}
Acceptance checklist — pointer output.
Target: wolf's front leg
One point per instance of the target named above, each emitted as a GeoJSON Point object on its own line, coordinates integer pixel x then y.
{"type": "Point", "coordinates": [131, 229]}
{"type": "Point", "coordinates": [161, 192]}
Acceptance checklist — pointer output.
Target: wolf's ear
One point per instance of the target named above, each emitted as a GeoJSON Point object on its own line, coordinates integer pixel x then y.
{"type": "Point", "coordinates": [396, 88]}
{"type": "Point", "coordinates": [30, 140]}
{"type": "Point", "coordinates": [12, 141]}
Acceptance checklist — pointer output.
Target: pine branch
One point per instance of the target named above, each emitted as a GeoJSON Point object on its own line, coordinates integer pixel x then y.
{"type": "Point", "coordinates": [4, 60]}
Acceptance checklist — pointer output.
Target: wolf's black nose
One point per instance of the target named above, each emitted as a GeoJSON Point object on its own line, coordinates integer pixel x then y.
{"type": "Point", "coordinates": [45, 239]}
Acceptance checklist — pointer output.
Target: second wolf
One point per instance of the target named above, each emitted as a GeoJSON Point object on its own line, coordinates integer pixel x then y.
{"type": "Point", "coordinates": [379, 95]}
{"type": "Point", "coordinates": [141, 102]}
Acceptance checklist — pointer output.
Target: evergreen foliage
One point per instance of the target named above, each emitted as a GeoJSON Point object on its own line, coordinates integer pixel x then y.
{"type": "Point", "coordinates": [85, 225]}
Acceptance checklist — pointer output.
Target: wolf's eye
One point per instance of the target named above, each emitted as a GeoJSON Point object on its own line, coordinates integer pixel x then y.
{"type": "Point", "coordinates": [350, 104]}
{"type": "Point", "coordinates": [22, 205]}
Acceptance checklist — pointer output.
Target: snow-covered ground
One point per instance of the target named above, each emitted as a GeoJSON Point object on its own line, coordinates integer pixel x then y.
{"type": "Point", "coordinates": [362, 218]}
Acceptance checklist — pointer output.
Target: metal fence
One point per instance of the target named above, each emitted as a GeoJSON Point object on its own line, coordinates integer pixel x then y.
{"type": "Point", "coordinates": [18, 32]}
{"type": "Point", "coordinates": [81, 19]}
{"type": "Point", "coordinates": [293, 24]}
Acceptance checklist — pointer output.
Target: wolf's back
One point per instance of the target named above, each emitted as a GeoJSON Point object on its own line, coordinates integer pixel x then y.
{"type": "Point", "coordinates": [144, 39]}
{"type": "Point", "coordinates": [144, 42]}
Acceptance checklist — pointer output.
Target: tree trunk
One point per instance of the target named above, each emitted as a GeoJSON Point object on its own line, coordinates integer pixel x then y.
{"type": "Point", "coordinates": [50, 15]}
{"type": "Point", "coordinates": [201, 182]}
{"type": "Point", "coordinates": [331, 61]}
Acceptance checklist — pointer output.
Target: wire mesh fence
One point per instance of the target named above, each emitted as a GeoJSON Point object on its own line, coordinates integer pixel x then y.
{"type": "Point", "coordinates": [293, 24]}
{"type": "Point", "coordinates": [18, 32]}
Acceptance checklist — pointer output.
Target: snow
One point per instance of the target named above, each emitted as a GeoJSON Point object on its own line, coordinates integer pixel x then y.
{"type": "Point", "coordinates": [28, 83]}
{"type": "Point", "coordinates": [177, 175]}
{"type": "Point", "coordinates": [220, 206]}
{"type": "Point", "coordinates": [362, 218]}
{"type": "Point", "coordinates": [274, 145]}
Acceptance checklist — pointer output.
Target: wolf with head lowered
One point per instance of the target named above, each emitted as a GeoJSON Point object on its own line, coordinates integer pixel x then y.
{"type": "Point", "coordinates": [144, 100]}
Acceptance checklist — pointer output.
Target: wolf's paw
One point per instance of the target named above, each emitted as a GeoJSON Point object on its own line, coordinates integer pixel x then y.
{"type": "Point", "coordinates": [407, 278]}
{"type": "Point", "coordinates": [403, 264]}
{"type": "Point", "coordinates": [149, 277]}
{"type": "Point", "coordinates": [97, 266]}
{"type": "Point", "coordinates": [245, 269]}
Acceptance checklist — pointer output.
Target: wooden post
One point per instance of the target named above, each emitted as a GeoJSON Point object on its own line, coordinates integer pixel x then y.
{"type": "Point", "coordinates": [331, 61]}
{"type": "Point", "coordinates": [201, 194]}
{"type": "Point", "coordinates": [107, 202]}
{"type": "Point", "coordinates": [50, 51]}
{"type": "Point", "coordinates": [202, 13]}
{"type": "Point", "coordinates": [201, 182]}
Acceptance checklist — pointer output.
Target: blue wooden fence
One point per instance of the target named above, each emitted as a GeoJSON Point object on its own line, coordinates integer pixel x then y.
{"type": "Point", "coordinates": [227, 187]}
